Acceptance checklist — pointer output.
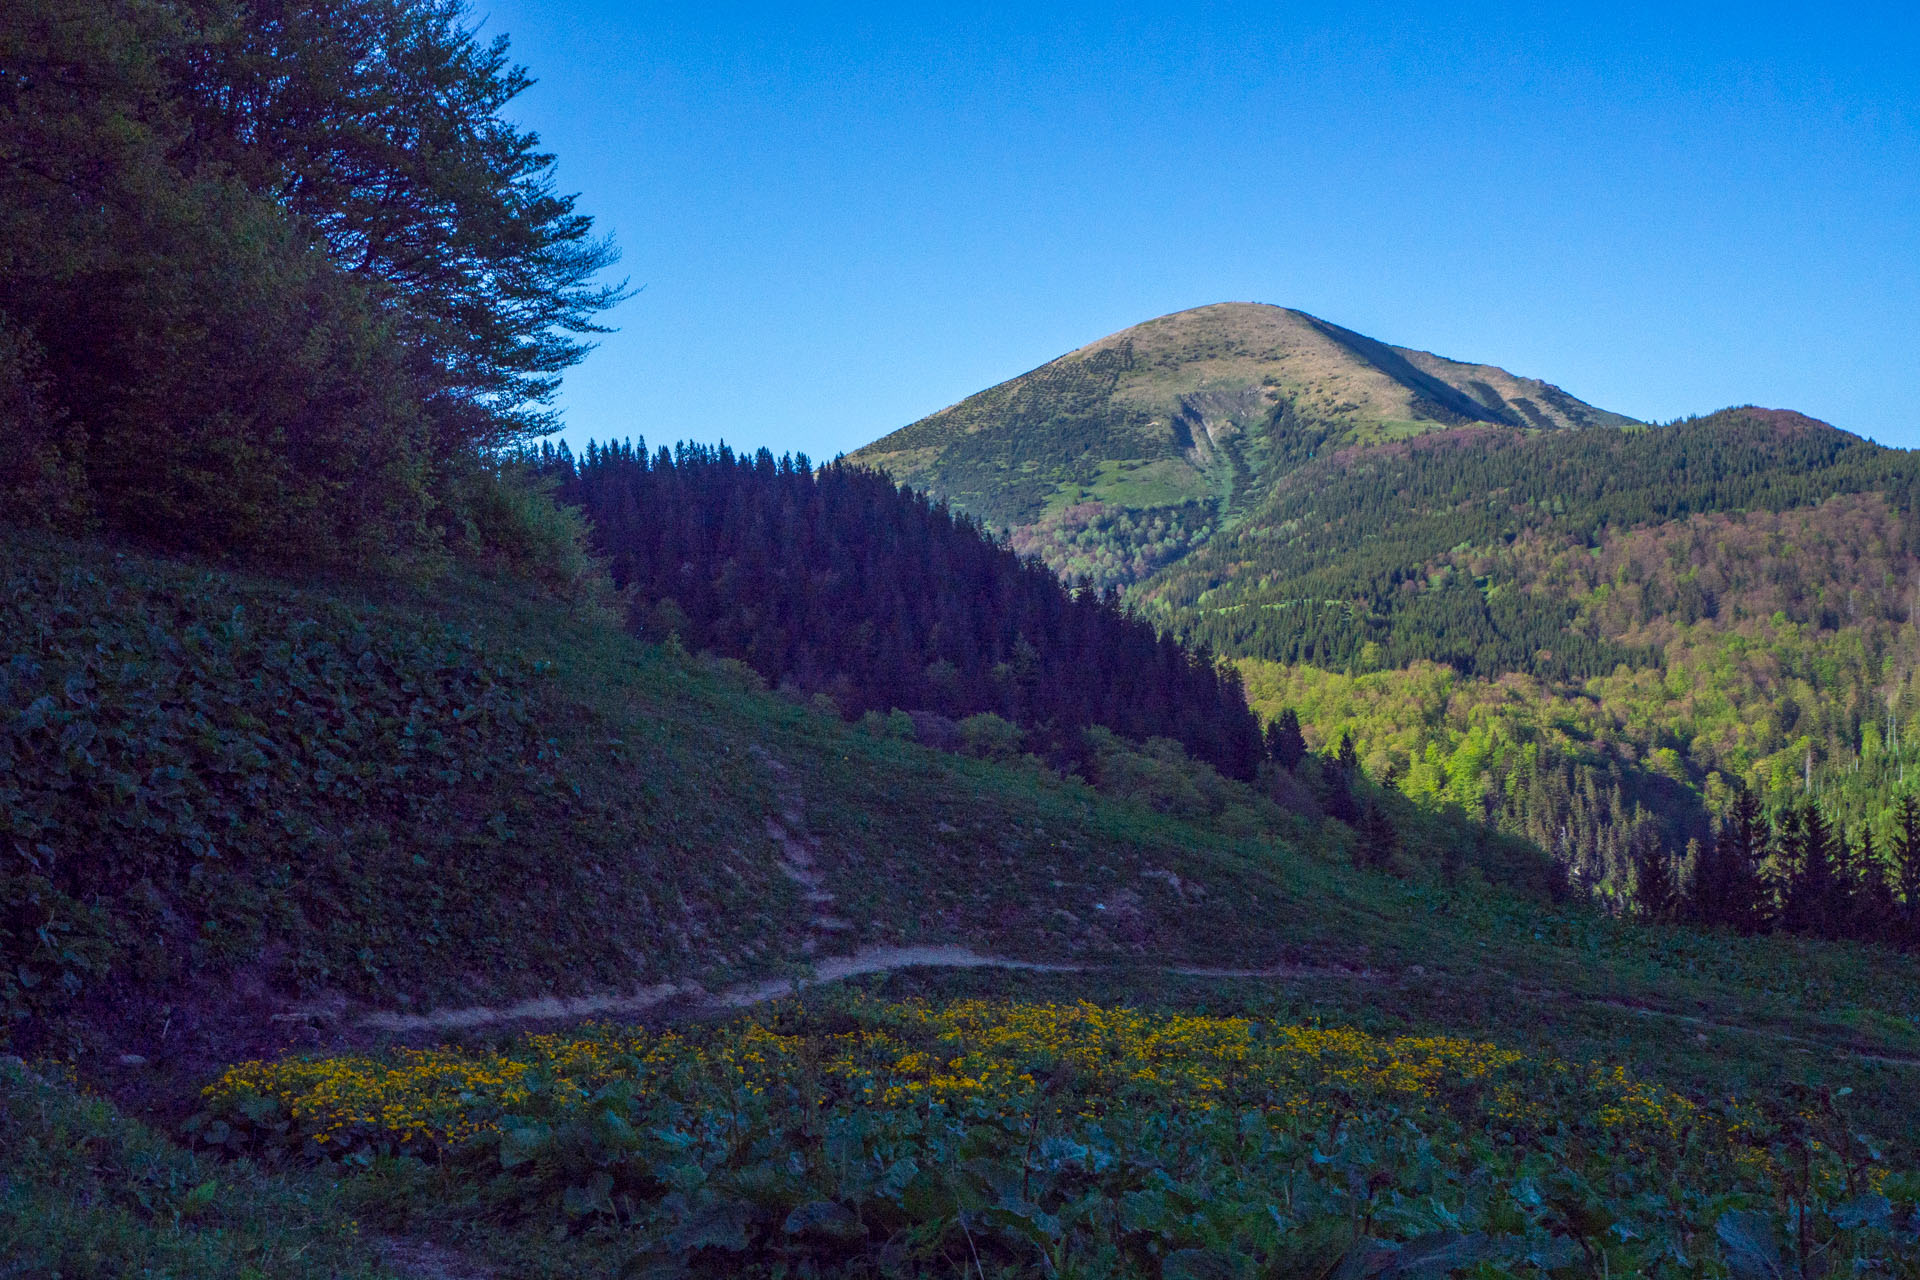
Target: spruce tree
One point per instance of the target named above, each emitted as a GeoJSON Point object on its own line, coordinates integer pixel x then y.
{"type": "Point", "coordinates": [1814, 895]}
{"type": "Point", "coordinates": [1338, 788]}
{"type": "Point", "coordinates": [1906, 866]}
{"type": "Point", "coordinates": [1375, 839]}
{"type": "Point", "coordinates": [1654, 892]}
{"type": "Point", "coordinates": [1707, 887]}
{"type": "Point", "coordinates": [1746, 901]}
{"type": "Point", "coordinates": [1873, 908]}
{"type": "Point", "coordinates": [1285, 743]}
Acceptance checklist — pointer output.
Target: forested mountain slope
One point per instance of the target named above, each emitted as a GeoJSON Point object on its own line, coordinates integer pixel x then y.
{"type": "Point", "coordinates": [839, 585]}
{"type": "Point", "coordinates": [1122, 456]}
{"type": "Point", "coordinates": [1590, 637]}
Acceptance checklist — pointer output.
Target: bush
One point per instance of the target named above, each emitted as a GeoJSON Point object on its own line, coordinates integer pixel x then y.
{"type": "Point", "coordinates": [513, 523]}
{"type": "Point", "coordinates": [42, 480]}
{"type": "Point", "coordinates": [1160, 775]}
{"type": "Point", "coordinates": [990, 737]}
{"type": "Point", "coordinates": [896, 724]}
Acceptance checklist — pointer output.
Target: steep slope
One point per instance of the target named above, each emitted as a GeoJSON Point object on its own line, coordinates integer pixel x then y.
{"type": "Point", "coordinates": [1577, 633]}
{"type": "Point", "coordinates": [222, 797]}
{"type": "Point", "coordinates": [1589, 637]}
{"type": "Point", "coordinates": [220, 844]}
{"type": "Point", "coordinates": [1121, 456]}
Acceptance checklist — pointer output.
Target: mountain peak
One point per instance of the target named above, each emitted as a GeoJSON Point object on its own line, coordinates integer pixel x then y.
{"type": "Point", "coordinates": [1181, 423]}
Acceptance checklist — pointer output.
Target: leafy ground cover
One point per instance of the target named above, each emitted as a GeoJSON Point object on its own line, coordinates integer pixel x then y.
{"type": "Point", "coordinates": [219, 786]}
{"type": "Point", "coordinates": [670, 768]}
{"type": "Point", "coordinates": [865, 1137]}
{"type": "Point", "coordinates": [87, 1193]}
{"type": "Point", "coordinates": [204, 772]}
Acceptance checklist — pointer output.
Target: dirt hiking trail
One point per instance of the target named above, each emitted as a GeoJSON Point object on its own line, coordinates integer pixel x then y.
{"type": "Point", "coordinates": [868, 960]}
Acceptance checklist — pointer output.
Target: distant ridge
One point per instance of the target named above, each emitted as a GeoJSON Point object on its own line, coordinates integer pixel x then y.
{"type": "Point", "coordinates": [1180, 425]}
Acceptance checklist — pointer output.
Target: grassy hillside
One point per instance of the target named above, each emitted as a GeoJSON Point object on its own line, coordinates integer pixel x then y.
{"type": "Point", "coordinates": [1126, 454]}
{"type": "Point", "coordinates": [350, 798]}
{"type": "Point", "coordinates": [400, 796]}
{"type": "Point", "coordinates": [88, 1192]}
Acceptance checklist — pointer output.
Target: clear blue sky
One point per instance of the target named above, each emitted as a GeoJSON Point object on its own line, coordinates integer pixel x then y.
{"type": "Point", "coordinates": [846, 219]}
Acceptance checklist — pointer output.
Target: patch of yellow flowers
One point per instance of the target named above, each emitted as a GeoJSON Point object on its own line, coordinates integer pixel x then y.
{"type": "Point", "coordinates": [1007, 1058]}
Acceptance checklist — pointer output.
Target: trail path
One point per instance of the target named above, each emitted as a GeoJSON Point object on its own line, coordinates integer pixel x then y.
{"type": "Point", "coordinates": [867, 960]}
{"type": "Point", "coordinates": [797, 857]}
{"type": "Point", "coordinates": [871, 960]}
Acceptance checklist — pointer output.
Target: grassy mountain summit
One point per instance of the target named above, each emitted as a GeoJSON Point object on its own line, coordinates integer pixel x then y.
{"type": "Point", "coordinates": [1118, 458]}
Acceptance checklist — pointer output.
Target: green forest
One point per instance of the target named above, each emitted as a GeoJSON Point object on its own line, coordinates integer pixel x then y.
{"type": "Point", "coordinates": [1634, 626]}
{"type": "Point", "coordinates": [1370, 822]}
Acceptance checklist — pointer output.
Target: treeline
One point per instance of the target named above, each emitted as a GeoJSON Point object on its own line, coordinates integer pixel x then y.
{"type": "Point", "coordinates": [833, 581]}
{"type": "Point", "coordinates": [1352, 564]}
{"type": "Point", "coordinates": [1796, 872]}
{"type": "Point", "coordinates": [275, 277]}
{"type": "Point", "coordinates": [1793, 870]}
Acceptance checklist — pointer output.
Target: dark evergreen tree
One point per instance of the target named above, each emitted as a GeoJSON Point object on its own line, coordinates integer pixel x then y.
{"type": "Point", "coordinates": [834, 581]}
{"type": "Point", "coordinates": [1744, 842]}
{"type": "Point", "coordinates": [1906, 866]}
{"type": "Point", "coordinates": [1285, 743]}
{"type": "Point", "coordinates": [1873, 906]}
{"type": "Point", "coordinates": [1655, 894]}
{"type": "Point", "coordinates": [1337, 783]}
{"type": "Point", "coordinates": [1375, 839]}
{"type": "Point", "coordinates": [1814, 899]}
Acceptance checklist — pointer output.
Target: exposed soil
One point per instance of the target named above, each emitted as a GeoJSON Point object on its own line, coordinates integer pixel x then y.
{"type": "Point", "coordinates": [428, 1261]}
{"type": "Point", "coordinates": [867, 960]}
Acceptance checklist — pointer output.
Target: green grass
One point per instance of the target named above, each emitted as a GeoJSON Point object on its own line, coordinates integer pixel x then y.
{"type": "Point", "coordinates": [636, 789]}
{"type": "Point", "coordinates": [85, 1192]}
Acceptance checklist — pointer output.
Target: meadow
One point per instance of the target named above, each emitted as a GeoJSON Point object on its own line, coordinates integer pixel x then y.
{"type": "Point", "coordinates": [852, 1135]}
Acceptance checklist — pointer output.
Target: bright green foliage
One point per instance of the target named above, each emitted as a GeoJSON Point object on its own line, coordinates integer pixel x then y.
{"type": "Point", "coordinates": [89, 1194]}
{"type": "Point", "coordinates": [866, 1138]}
{"type": "Point", "coordinates": [1107, 545]}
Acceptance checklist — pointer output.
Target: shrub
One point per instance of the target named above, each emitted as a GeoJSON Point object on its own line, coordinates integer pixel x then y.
{"type": "Point", "coordinates": [513, 522]}
{"type": "Point", "coordinates": [989, 736]}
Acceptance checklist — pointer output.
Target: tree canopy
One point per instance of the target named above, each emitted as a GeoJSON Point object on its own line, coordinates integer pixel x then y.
{"type": "Point", "coordinates": [276, 277]}
{"type": "Point", "coordinates": [836, 582]}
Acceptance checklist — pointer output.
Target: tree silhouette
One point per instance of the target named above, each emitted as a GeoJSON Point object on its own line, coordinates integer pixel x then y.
{"type": "Point", "coordinates": [1285, 743]}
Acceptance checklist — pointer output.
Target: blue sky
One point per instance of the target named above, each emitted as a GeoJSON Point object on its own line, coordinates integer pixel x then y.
{"type": "Point", "coordinates": [845, 219]}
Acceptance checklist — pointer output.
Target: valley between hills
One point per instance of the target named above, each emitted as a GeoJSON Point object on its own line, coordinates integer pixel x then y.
{"type": "Point", "coordinates": [1243, 799]}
